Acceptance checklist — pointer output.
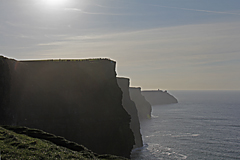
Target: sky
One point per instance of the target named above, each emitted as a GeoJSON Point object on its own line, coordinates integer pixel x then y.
{"type": "Point", "coordinates": [158, 44]}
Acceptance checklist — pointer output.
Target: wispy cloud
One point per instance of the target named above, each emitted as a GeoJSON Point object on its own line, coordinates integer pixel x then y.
{"type": "Point", "coordinates": [28, 25]}
{"type": "Point", "coordinates": [52, 44]}
{"type": "Point", "coordinates": [198, 10]}
{"type": "Point", "coordinates": [109, 14]}
{"type": "Point", "coordinates": [103, 6]}
{"type": "Point", "coordinates": [202, 51]}
{"type": "Point", "coordinates": [191, 44]}
{"type": "Point", "coordinates": [101, 13]}
{"type": "Point", "coordinates": [73, 9]}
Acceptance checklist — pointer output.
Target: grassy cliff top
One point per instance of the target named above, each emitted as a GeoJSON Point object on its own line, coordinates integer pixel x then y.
{"type": "Point", "coordinates": [47, 146]}
{"type": "Point", "coordinates": [62, 60]}
{"type": "Point", "coordinates": [137, 88]}
{"type": "Point", "coordinates": [154, 91]}
{"type": "Point", "coordinates": [69, 60]}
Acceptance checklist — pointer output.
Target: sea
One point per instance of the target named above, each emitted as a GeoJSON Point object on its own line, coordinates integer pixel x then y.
{"type": "Point", "coordinates": [204, 125]}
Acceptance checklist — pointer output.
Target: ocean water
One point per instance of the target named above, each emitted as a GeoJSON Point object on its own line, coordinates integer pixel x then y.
{"type": "Point", "coordinates": [203, 125]}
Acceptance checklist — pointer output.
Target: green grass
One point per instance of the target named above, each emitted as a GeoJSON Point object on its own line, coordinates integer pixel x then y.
{"type": "Point", "coordinates": [14, 146]}
{"type": "Point", "coordinates": [64, 60]}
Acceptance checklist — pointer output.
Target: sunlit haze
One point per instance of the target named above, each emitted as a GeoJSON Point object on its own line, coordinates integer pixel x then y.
{"type": "Point", "coordinates": [172, 45]}
{"type": "Point", "coordinates": [54, 2]}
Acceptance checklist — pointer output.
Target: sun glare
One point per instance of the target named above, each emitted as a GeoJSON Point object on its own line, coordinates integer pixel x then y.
{"type": "Point", "coordinates": [55, 2]}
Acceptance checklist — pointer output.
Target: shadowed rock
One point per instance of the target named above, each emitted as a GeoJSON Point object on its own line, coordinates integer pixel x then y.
{"type": "Point", "coordinates": [159, 97]}
{"type": "Point", "coordinates": [79, 100]}
{"type": "Point", "coordinates": [130, 107]}
{"type": "Point", "coordinates": [143, 106]}
{"type": "Point", "coordinates": [4, 90]}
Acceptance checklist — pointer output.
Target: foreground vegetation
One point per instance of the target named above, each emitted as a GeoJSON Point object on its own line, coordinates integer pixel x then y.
{"type": "Point", "coordinates": [18, 143]}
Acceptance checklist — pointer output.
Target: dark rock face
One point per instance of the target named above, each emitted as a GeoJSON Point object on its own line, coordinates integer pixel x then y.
{"type": "Point", "coordinates": [143, 106]}
{"type": "Point", "coordinates": [159, 97]}
{"type": "Point", "coordinates": [130, 107]}
{"type": "Point", "coordinates": [78, 100]}
{"type": "Point", "coordinates": [4, 89]}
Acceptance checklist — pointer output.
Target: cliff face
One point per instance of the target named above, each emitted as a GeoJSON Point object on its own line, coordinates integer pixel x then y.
{"type": "Point", "coordinates": [78, 100]}
{"type": "Point", "coordinates": [144, 107]}
{"type": "Point", "coordinates": [130, 107]}
{"type": "Point", "coordinates": [159, 97]}
{"type": "Point", "coordinates": [4, 89]}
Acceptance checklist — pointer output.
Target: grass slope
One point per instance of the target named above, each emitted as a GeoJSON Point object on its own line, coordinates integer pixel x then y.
{"type": "Point", "coordinates": [25, 143]}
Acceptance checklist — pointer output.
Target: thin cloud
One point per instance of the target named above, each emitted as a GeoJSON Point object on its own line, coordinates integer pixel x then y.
{"type": "Point", "coordinates": [109, 14]}
{"type": "Point", "coordinates": [102, 6]}
{"type": "Point", "coordinates": [52, 44]}
{"type": "Point", "coordinates": [26, 25]}
{"type": "Point", "coordinates": [84, 12]}
{"type": "Point", "coordinates": [16, 48]}
{"type": "Point", "coordinates": [198, 10]}
{"type": "Point", "coordinates": [16, 24]}
{"type": "Point", "coordinates": [202, 51]}
{"type": "Point", "coordinates": [72, 9]}
{"type": "Point", "coordinates": [100, 13]}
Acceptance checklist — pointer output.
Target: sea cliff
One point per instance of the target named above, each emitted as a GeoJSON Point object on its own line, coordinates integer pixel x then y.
{"type": "Point", "coordinates": [79, 100]}
{"type": "Point", "coordinates": [143, 106]}
{"type": "Point", "coordinates": [159, 97]}
{"type": "Point", "coordinates": [130, 107]}
{"type": "Point", "coordinates": [4, 89]}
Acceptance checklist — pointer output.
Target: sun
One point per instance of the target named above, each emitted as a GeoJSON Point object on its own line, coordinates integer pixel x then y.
{"type": "Point", "coordinates": [55, 2]}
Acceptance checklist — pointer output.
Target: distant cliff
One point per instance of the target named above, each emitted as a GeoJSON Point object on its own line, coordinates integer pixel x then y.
{"type": "Point", "coordinates": [130, 107]}
{"type": "Point", "coordinates": [159, 97]}
{"type": "Point", "coordinates": [144, 107]}
{"type": "Point", "coordinates": [76, 99]}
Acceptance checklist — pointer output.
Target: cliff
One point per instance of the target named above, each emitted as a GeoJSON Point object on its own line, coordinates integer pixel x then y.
{"type": "Point", "coordinates": [130, 107]}
{"type": "Point", "coordinates": [144, 107]}
{"type": "Point", "coordinates": [158, 97]}
{"type": "Point", "coordinates": [4, 89]}
{"type": "Point", "coordinates": [76, 99]}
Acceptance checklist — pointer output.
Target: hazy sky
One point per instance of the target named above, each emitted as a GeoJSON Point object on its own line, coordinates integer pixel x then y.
{"type": "Point", "coordinates": [166, 44]}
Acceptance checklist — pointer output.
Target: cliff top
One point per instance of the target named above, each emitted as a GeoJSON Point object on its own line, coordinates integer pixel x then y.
{"type": "Point", "coordinates": [137, 88]}
{"type": "Point", "coordinates": [70, 60]}
{"type": "Point", "coordinates": [63, 60]}
{"type": "Point", "coordinates": [124, 78]}
{"type": "Point", "coordinates": [154, 91]}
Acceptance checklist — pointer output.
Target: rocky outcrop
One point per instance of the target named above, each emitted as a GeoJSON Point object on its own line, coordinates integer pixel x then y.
{"type": "Point", "coordinates": [130, 107]}
{"type": "Point", "coordinates": [159, 97]}
{"type": "Point", "coordinates": [144, 107]}
{"type": "Point", "coordinates": [79, 100]}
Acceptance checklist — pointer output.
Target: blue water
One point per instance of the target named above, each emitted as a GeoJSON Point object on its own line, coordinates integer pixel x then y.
{"type": "Point", "coordinates": [203, 125]}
